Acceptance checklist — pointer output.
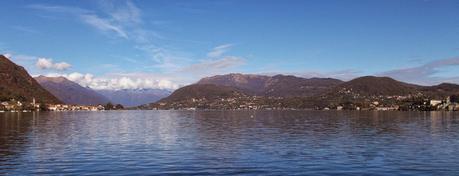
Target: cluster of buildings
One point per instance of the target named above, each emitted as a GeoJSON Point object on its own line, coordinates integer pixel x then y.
{"type": "Point", "coordinates": [18, 106]}
{"type": "Point", "coordinates": [230, 103]}
{"type": "Point", "coordinates": [373, 107]}
{"type": "Point", "coordinates": [63, 107]}
{"type": "Point", "coordinates": [451, 103]}
{"type": "Point", "coordinates": [375, 103]}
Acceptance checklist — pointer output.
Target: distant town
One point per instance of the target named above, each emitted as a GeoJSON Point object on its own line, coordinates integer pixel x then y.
{"type": "Point", "coordinates": [378, 103]}
{"type": "Point", "coordinates": [242, 102]}
{"type": "Point", "coordinates": [242, 91]}
{"type": "Point", "coordinates": [18, 106]}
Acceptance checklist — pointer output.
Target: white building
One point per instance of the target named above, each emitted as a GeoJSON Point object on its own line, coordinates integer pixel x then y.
{"type": "Point", "coordinates": [435, 102]}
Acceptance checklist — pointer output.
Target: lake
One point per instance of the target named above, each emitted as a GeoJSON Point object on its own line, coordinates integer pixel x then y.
{"type": "Point", "coordinates": [229, 143]}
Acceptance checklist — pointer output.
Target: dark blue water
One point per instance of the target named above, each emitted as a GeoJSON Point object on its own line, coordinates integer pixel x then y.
{"type": "Point", "coordinates": [229, 143]}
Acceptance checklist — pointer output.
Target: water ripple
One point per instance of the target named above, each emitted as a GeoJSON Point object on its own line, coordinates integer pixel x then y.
{"type": "Point", "coordinates": [229, 143]}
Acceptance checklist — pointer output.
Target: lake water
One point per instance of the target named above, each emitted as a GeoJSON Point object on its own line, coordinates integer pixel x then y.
{"type": "Point", "coordinates": [229, 143]}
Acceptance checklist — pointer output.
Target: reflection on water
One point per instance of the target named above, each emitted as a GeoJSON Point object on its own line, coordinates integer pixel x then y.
{"type": "Point", "coordinates": [230, 142]}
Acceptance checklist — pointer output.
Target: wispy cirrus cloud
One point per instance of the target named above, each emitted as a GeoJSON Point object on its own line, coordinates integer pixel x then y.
{"type": "Point", "coordinates": [104, 25]}
{"type": "Point", "coordinates": [217, 62]}
{"type": "Point", "coordinates": [219, 50]}
{"type": "Point", "coordinates": [87, 16]}
{"type": "Point", "coordinates": [215, 65]}
{"type": "Point", "coordinates": [128, 13]}
{"type": "Point", "coordinates": [170, 80]}
{"type": "Point", "coordinates": [426, 73]}
{"type": "Point", "coordinates": [121, 19]}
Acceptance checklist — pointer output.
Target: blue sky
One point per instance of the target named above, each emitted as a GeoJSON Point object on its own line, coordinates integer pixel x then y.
{"type": "Point", "coordinates": [166, 44]}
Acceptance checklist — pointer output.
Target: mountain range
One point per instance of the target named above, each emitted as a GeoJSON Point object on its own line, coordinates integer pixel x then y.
{"type": "Point", "coordinates": [134, 97]}
{"type": "Point", "coordinates": [292, 86]}
{"type": "Point", "coordinates": [292, 91]}
{"type": "Point", "coordinates": [70, 92]}
{"type": "Point", "coordinates": [277, 86]}
{"type": "Point", "coordinates": [16, 83]}
{"type": "Point", "coordinates": [279, 90]}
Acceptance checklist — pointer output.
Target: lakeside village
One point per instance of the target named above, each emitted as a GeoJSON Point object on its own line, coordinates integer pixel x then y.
{"type": "Point", "coordinates": [18, 106]}
{"type": "Point", "coordinates": [374, 103]}
{"type": "Point", "coordinates": [451, 103]}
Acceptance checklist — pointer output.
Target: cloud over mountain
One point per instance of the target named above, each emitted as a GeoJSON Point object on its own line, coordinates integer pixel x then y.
{"type": "Point", "coordinates": [118, 82]}
{"type": "Point", "coordinates": [44, 63]}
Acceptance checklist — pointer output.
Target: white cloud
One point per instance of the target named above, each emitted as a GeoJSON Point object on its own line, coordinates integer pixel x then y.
{"type": "Point", "coordinates": [36, 65]}
{"type": "Point", "coordinates": [118, 82]}
{"type": "Point", "coordinates": [44, 63]}
{"type": "Point", "coordinates": [219, 50]}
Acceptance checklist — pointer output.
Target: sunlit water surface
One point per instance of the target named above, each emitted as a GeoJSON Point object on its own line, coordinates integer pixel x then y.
{"type": "Point", "coordinates": [229, 143]}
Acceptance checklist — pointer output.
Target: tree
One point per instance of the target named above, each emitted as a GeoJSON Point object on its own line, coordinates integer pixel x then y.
{"type": "Point", "coordinates": [43, 107]}
{"type": "Point", "coordinates": [454, 99]}
{"type": "Point", "coordinates": [109, 106]}
{"type": "Point", "coordinates": [119, 106]}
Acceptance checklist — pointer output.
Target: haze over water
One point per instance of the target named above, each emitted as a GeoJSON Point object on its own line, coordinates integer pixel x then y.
{"type": "Point", "coordinates": [229, 142]}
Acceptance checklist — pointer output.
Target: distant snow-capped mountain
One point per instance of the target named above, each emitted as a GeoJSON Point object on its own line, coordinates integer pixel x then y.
{"type": "Point", "coordinates": [70, 92]}
{"type": "Point", "coordinates": [134, 97]}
